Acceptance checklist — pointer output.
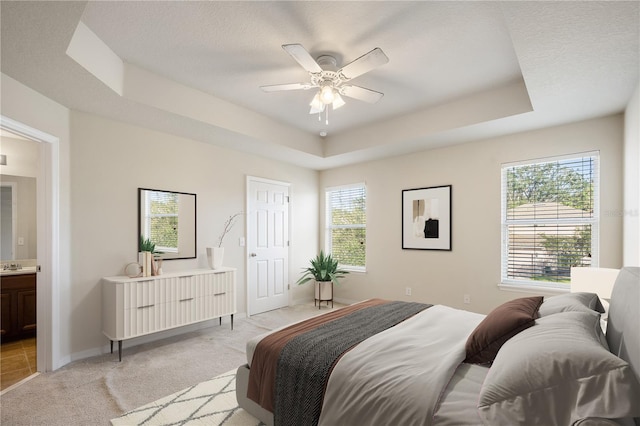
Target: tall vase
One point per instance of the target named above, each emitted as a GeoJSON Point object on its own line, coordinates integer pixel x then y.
{"type": "Point", "coordinates": [215, 256]}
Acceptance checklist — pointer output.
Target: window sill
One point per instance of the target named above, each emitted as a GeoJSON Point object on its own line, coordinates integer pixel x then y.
{"type": "Point", "coordinates": [529, 288]}
{"type": "Point", "coordinates": [354, 269]}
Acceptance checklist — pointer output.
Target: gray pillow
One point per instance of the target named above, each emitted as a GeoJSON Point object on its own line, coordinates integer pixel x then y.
{"type": "Point", "coordinates": [582, 302]}
{"type": "Point", "coordinates": [556, 373]}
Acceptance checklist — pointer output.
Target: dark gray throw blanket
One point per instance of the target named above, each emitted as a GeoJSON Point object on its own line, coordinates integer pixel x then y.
{"type": "Point", "coordinates": [306, 361]}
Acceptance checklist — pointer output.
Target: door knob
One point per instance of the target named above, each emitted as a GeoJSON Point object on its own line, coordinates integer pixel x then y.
{"type": "Point", "coordinates": [253, 255]}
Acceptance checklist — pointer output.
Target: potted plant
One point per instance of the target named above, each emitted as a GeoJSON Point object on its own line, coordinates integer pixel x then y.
{"type": "Point", "coordinates": [147, 245]}
{"type": "Point", "coordinates": [324, 270]}
{"type": "Point", "coordinates": [155, 262]}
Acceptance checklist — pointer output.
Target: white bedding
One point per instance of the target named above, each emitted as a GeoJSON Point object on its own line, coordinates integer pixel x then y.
{"type": "Point", "coordinates": [421, 363]}
{"type": "Point", "coordinates": [399, 375]}
{"type": "Point", "coordinates": [458, 405]}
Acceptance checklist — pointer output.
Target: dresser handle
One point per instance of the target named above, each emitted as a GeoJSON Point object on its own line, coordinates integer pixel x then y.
{"type": "Point", "coordinates": [186, 300]}
{"type": "Point", "coordinates": [219, 294]}
{"type": "Point", "coordinates": [146, 306]}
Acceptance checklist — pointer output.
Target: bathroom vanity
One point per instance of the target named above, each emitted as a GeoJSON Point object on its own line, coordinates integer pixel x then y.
{"type": "Point", "coordinates": [17, 304]}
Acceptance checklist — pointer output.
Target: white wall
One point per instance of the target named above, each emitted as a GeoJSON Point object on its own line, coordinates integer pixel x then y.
{"type": "Point", "coordinates": [110, 160]}
{"type": "Point", "coordinates": [473, 266]}
{"type": "Point", "coordinates": [631, 212]}
{"type": "Point", "coordinates": [22, 157]}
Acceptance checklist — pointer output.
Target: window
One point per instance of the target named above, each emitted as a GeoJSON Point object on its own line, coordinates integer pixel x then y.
{"type": "Point", "coordinates": [346, 225]}
{"type": "Point", "coordinates": [550, 219]}
{"type": "Point", "coordinates": [161, 220]}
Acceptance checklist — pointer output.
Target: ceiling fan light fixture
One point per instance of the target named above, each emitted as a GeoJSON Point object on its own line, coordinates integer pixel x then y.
{"type": "Point", "coordinates": [327, 94]}
{"type": "Point", "coordinates": [329, 81]}
{"type": "Point", "coordinates": [338, 101]}
{"type": "Point", "coordinates": [317, 106]}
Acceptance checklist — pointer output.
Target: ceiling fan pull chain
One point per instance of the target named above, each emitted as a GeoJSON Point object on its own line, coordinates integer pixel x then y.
{"type": "Point", "coordinates": [326, 116]}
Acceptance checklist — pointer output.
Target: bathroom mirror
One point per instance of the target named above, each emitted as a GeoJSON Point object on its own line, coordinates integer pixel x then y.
{"type": "Point", "coordinates": [18, 222]}
{"type": "Point", "coordinates": [168, 219]}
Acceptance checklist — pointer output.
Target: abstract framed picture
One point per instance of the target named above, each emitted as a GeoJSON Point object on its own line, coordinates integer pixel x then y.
{"type": "Point", "coordinates": [426, 218]}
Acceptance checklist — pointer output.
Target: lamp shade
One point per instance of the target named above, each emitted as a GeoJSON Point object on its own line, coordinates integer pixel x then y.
{"type": "Point", "coordinates": [594, 280]}
{"type": "Point", "coordinates": [316, 104]}
{"type": "Point", "coordinates": [326, 95]}
{"type": "Point", "coordinates": [337, 101]}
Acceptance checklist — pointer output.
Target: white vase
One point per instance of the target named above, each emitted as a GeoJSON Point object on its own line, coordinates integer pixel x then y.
{"type": "Point", "coordinates": [215, 256]}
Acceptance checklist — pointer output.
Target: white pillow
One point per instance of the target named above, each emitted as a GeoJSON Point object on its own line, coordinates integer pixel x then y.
{"type": "Point", "coordinates": [558, 372]}
{"type": "Point", "coordinates": [583, 302]}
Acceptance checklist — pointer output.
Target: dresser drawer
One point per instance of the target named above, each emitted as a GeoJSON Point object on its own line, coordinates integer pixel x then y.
{"type": "Point", "coordinates": [135, 307]}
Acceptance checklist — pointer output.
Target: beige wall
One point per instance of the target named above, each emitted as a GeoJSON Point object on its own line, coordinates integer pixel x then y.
{"type": "Point", "coordinates": [101, 163]}
{"type": "Point", "coordinates": [473, 266]}
{"type": "Point", "coordinates": [110, 160]}
{"type": "Point", "coordinates": [631, 212]}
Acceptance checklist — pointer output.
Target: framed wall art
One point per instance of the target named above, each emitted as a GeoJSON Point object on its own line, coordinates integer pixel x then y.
{"type": "Point", "coordinates": [426, 218]}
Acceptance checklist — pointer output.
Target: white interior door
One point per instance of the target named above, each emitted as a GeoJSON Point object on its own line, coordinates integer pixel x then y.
{"type": "Point", "coordinates": [267, 245]}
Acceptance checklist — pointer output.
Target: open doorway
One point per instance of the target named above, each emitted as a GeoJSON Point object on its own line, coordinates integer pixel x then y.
{"type": "Point", "coordinates": [18, 257]}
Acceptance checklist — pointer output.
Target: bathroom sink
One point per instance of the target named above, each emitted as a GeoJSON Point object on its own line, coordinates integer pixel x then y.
{"type": "Point", "coordinates": [23, 270]}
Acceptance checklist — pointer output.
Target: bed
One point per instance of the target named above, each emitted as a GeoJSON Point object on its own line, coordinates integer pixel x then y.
{"type": "Point", "coordinates": [530, 361]}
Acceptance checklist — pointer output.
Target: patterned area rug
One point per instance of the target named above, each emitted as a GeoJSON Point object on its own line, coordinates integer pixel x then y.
{"type": "Point", "coordinates": [209, 403]}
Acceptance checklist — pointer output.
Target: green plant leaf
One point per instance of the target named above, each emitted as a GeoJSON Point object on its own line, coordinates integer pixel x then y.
{"type": "Point", "coordinates": [323, 268]}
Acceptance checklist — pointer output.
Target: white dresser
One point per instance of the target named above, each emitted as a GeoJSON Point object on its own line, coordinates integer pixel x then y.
{"type": "Point", "coordinates": [133, 307]}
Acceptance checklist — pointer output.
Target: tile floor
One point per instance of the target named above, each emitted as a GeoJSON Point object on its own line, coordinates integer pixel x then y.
{"type": "Point", "coordinates": [17, 361]}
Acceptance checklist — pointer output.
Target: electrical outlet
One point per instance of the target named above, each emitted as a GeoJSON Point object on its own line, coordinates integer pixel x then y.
{"type": "Point", "coordinates": [467, 299]}
{"type": "Point", "coordinates": [407, 291]}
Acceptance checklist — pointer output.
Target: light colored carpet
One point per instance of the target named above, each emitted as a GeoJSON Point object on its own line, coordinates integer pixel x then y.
{"type": "Point", "coordinates": [92, 391]}
{"type": "Point", "coordinates": [212, 403]}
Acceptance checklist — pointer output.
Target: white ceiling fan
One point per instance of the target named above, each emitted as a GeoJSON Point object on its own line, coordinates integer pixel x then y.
{"type": "Point", "coordinates": [332, 83]}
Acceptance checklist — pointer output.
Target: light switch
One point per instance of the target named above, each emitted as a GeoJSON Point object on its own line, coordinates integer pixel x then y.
{"type": "Point", "coordinates": [20, 241]}
{"type": "Point", "coordinates": [241, 241]}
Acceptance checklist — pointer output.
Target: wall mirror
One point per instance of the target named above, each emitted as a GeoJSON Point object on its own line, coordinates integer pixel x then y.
{"type": "Point", "coordinates": [168, 219]}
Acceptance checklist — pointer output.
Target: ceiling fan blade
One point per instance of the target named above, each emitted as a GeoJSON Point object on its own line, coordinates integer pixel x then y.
{"type": "Point", "coordinates": [364, 63]}
{"type": "Point", "coordinates": [300, 54]}
{"type": "Point", "coordinates": [361, 94]}
{"type": "Point", "coordinates": [291, 86]}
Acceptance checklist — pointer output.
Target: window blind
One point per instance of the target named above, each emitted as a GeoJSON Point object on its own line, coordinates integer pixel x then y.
{"type": "Point", "coordinates": [550, 218]}
{"type": "Point", "coordinates": [345, 220]}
